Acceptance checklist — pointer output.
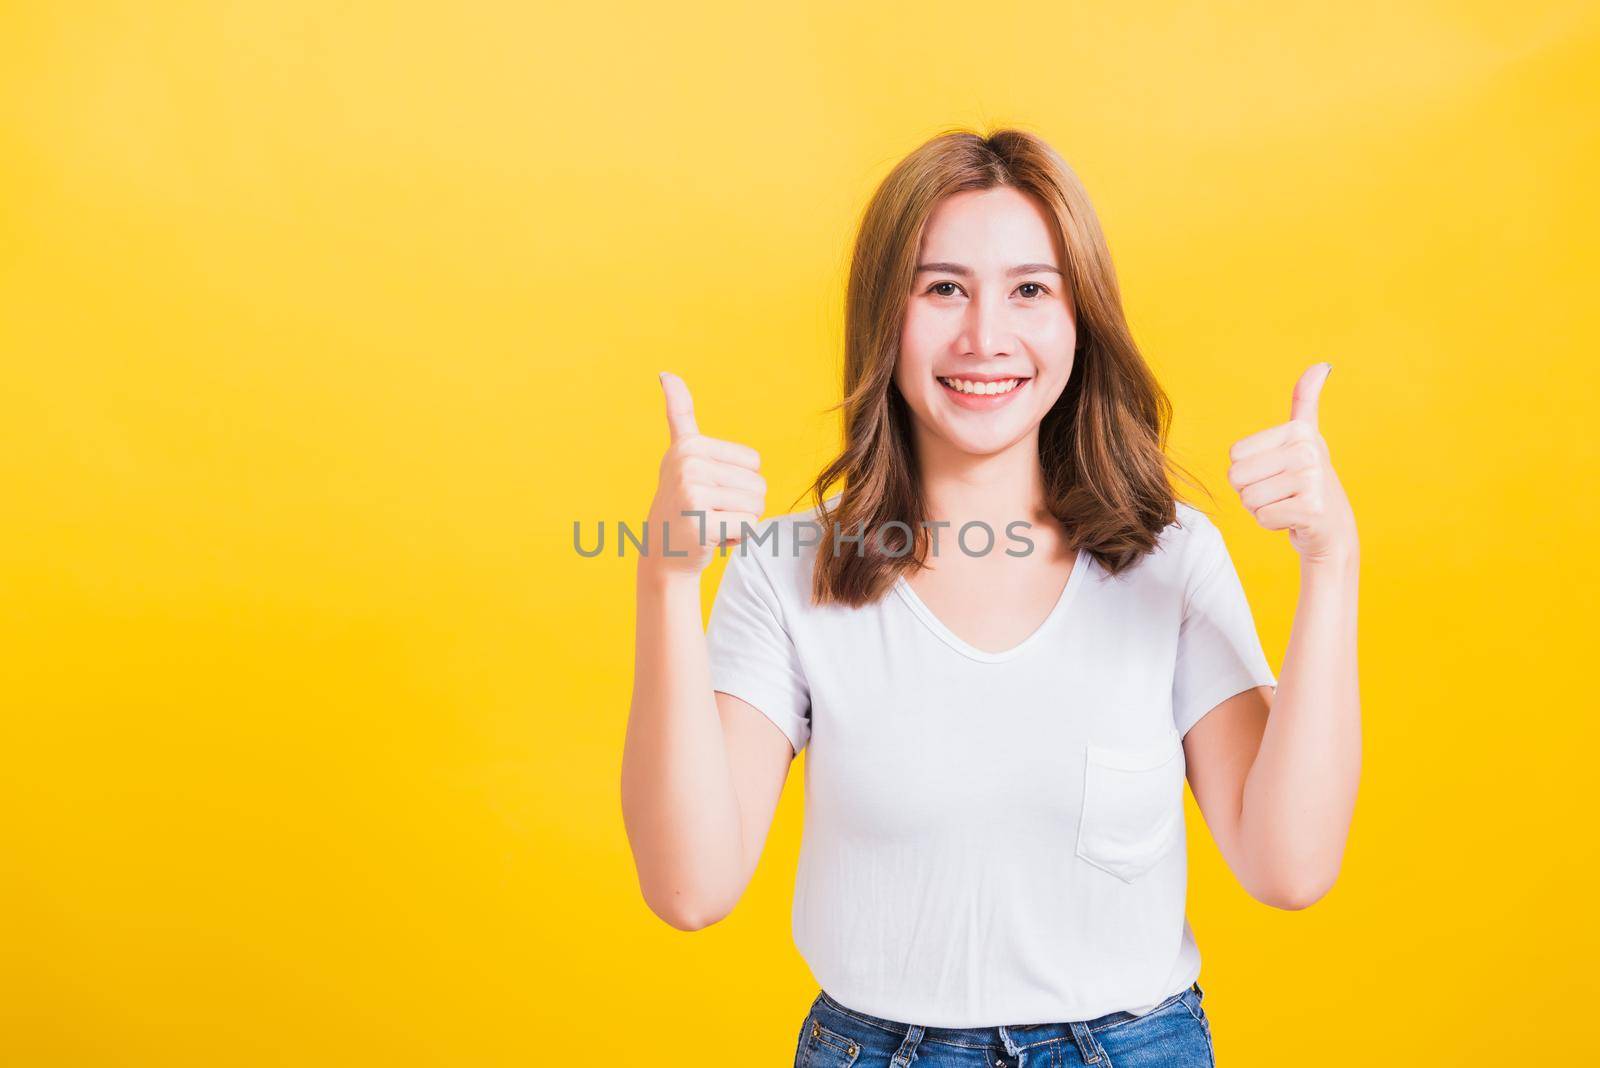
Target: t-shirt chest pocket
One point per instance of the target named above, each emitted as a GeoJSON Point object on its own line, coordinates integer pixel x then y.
{"type": "Point", "coordinates": [1132, 806]}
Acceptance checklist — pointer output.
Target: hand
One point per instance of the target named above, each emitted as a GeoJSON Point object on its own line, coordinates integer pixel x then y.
{"type": "Point", "coordinates": [1285, 478]}
{"type": "Point", "coordinates": [699, 474]}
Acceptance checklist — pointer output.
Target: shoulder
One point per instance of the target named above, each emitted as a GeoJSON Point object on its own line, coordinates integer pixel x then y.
{"type": "Point", "coordinates": [1193, 531]}
{"type": "Point", "coordinates": [780, 553]}
{"type": "Point", "coordinates": [1186, 548]}
{"type": "Point", "coordinates": [1198, 548]}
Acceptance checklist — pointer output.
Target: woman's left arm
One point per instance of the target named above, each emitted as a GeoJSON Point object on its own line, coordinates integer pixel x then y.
{"type": "Point", "coordinates": [1278, 791]}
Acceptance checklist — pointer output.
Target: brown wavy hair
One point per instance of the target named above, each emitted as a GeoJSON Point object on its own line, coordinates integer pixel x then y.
{"type": "Point", "coordinates": [1102, 446]}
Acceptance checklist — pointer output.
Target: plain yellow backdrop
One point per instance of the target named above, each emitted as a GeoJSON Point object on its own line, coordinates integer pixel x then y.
{"type": "Point", "coordinates": [322, 324]}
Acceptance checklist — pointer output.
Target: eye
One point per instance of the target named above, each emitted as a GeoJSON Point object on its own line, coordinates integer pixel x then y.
{"type": "Point", "coordinates": [938, 288]}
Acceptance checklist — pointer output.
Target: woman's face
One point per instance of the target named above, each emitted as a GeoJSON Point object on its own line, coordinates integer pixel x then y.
{"type": "Point", "coordinates": [989, 332]}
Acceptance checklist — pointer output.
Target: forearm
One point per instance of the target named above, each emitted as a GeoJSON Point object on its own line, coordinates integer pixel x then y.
{"type": "Point", "coordinates": [1299, 796]}
{"type": "Point", "coordinates": [678, 799]}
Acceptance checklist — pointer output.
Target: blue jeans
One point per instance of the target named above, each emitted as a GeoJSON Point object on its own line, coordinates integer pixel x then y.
{"type": "Point", "coordinates": [1175, 1034]}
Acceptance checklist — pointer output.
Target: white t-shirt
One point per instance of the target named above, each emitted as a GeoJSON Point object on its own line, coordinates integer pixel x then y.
{"type": "Point", "coordinates": [991, 838]}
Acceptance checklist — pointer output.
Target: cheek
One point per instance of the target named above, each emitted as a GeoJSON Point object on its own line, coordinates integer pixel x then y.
{"type": "Point", "coordinates": [919, 336]}
{"type": "Point", "coordinates": [1055, 334]}
{"type": "Point", "coordinates": [917, 346]}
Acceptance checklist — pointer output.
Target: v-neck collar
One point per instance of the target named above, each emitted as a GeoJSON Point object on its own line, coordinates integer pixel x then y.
{"type": "Point", "coordinates": [1080, 565]}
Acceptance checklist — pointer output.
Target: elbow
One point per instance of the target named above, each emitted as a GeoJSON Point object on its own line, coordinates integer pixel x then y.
{"type": "Point", "coordinates": [680, 895]}
{"type": "Point", "coordinates": [685, 911]}
{"type": "Point", "coordinates": [1293, 895]}
{"type": "Point", "coordinates": [684, 916]}
{"type": "Point", "coordinates": [694, 922]}
{"type": "Point", "coordinates": [1290, 901]}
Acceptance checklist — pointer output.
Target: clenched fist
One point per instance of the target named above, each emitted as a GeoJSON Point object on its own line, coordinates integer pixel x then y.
{"type": "Point", "coordinates": [707, 488]}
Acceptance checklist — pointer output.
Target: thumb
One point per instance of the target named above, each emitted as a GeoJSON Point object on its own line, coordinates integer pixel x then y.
{"type": "Point", "coordinates": [1307, 390]}
{"type": "Point", "coordinates": [680, 406]}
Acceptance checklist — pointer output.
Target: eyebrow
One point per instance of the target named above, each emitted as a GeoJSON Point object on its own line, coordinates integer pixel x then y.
{"type": "Point", "coordinates": [966, 272]}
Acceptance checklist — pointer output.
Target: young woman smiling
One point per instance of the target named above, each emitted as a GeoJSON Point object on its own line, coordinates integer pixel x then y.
{"type": "Point", "coordinates": [993, 868]}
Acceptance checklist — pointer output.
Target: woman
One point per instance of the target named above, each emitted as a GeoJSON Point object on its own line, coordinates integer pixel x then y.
{"type": "Point", "coordinates": [1007, 644]}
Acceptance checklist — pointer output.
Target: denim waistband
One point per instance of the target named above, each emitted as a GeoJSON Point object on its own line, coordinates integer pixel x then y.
{"type": "Point", "coordinates": [1011, 1037]}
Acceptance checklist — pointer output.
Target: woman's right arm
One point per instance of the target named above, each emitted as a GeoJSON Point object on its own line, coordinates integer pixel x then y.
{"type": "Point", "coordinates": [701, 771]}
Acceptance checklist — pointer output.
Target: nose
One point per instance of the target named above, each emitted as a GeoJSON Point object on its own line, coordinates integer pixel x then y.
{"type": "Point", "coordinates": [986, 331]}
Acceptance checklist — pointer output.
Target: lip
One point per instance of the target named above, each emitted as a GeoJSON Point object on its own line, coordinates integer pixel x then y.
{"type": "Point", "coordinates": [970, 377]}
{"type": "Point", "coordinates": [982, 403]}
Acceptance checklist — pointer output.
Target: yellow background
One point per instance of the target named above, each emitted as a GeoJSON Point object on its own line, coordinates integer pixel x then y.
{"type": "Point", "coordinates": [323, 323]}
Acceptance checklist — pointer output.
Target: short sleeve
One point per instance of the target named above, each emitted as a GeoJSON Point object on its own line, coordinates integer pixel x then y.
{"type": "Point", "coordinates": [752, 654]}
{"type": "Point", "coordinates": [1219, 652]}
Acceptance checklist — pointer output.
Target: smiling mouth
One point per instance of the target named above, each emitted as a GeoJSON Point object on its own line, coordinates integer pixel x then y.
{"type": "Point", "coordinates": [977, 388]}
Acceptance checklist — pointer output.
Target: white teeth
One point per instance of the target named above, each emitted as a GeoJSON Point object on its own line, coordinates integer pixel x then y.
{"type": "Point", "coordinates": [982, 389]}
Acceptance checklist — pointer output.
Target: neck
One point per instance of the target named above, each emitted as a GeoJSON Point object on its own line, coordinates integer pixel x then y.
{"type": "Point", "coordinates": [996, 489]}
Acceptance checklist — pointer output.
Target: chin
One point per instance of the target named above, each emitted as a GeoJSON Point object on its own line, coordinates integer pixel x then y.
{"type": "Point", "coordinates": [981, 444]}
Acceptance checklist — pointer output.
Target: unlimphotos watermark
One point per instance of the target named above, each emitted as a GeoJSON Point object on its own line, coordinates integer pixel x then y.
{"type": "Point", "coordinates": [892, 539]}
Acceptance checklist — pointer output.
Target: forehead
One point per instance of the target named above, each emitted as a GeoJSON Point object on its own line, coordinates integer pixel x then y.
{"type": "Point", "coordinates": [986, 227]}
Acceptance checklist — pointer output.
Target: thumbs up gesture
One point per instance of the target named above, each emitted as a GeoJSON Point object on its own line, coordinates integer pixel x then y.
{"type": "Point", "coordinates": [1285, 478]}
{"type": "Point", "coordinates": [708, 488]}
